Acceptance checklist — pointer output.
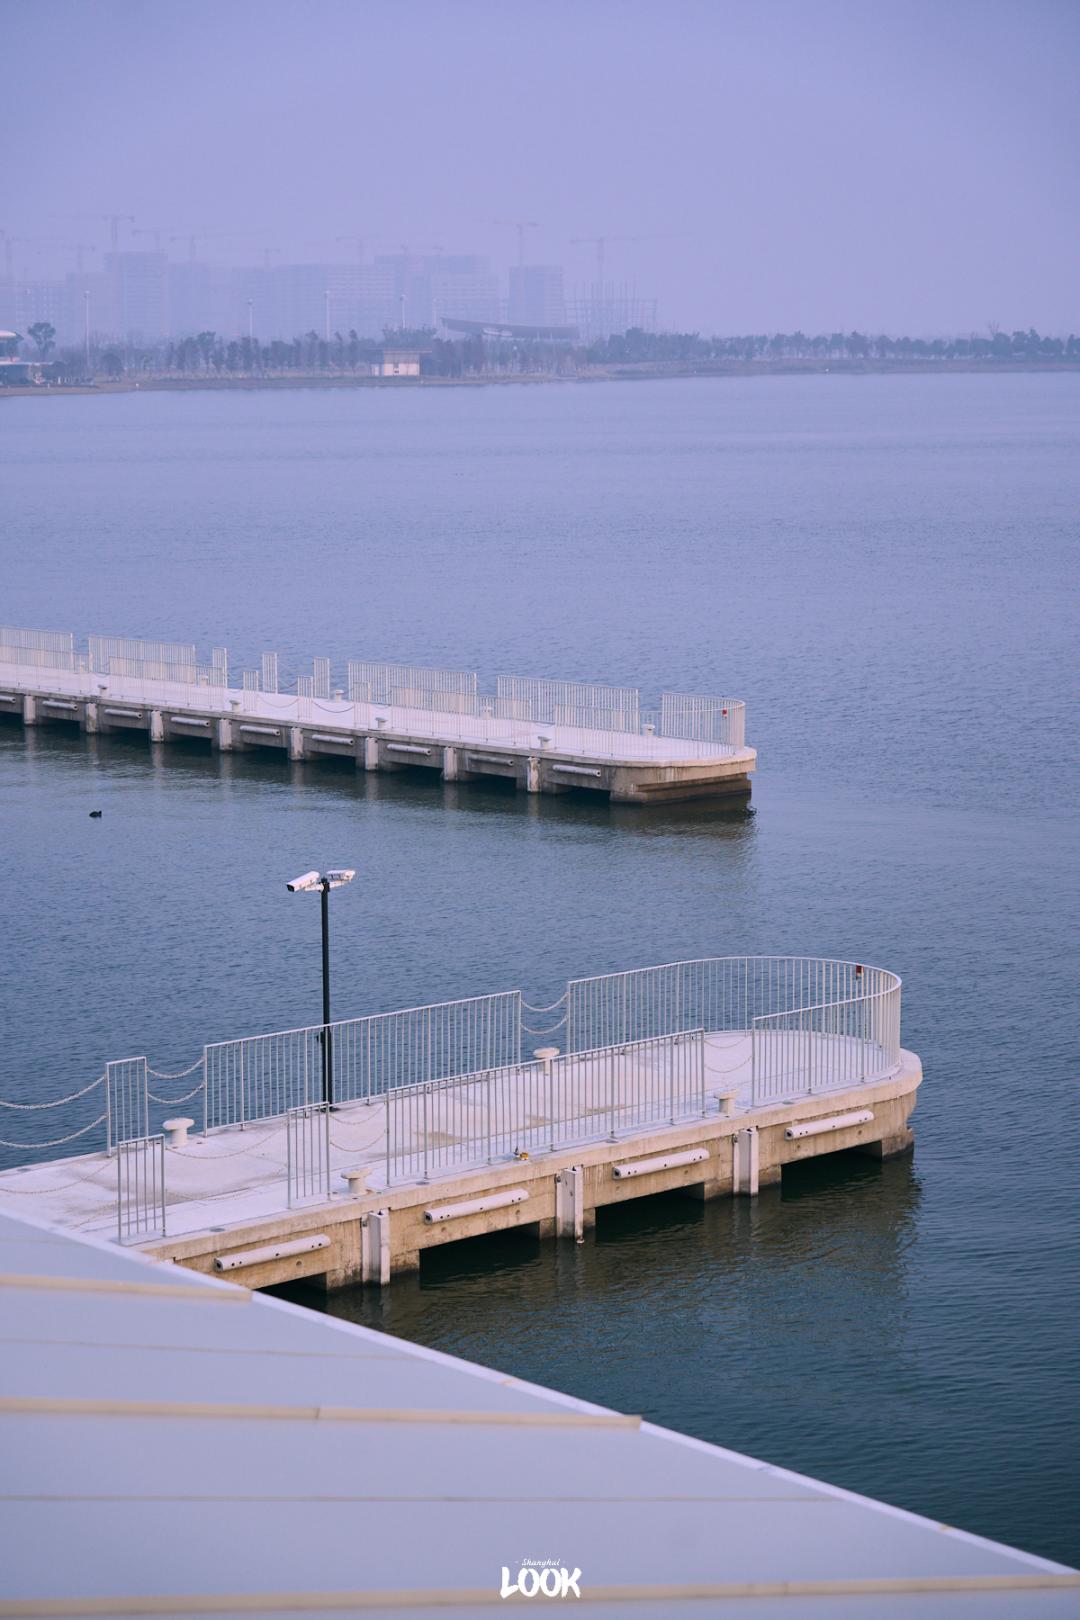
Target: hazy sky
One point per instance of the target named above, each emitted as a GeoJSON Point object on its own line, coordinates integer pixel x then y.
{"type": "Point", "coordinates": [897, 165]}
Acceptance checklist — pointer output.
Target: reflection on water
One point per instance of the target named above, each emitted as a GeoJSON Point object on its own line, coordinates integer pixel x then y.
{"type": "Point", "coordinates": [764, 1325]}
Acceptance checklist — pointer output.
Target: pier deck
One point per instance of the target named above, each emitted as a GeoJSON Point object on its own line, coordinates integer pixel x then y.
{"type": "Point", "coordinates": [629, 766]}
{"type": "Point", "coordinates": [343, 1151]}
{"type": "Point", "coordinates": [227, 1195]}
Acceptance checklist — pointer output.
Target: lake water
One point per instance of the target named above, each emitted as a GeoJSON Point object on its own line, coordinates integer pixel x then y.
{"type": "Point", "coordinates": [885, 568]}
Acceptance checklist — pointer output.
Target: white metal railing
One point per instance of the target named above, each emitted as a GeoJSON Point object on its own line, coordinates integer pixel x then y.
{"type": "Point", "coordinates": [815, 1024]}
{"type": "Point", "coordinates": [524, 712]}
{"type": "Point", "coordinates": [127, 1104]}
{"type": "Point", "coordinates": [153, 669]}
{"type": "Point", "coordinates": [40, 657]}
{"type": "Point", "coordinates": [140, 1189]}
{"type": "Point", "coordinates": [568, 703]}
{"type": "Point", "coordinates": [307, 1158]}
{"type": "Point", "coordinates": [703, 719]}
{"type": "Point", "coordinates": [261, 1076]}
{"type": "Point", "coordinates": [37, 640]}
{"type": "Point", "coordinates": [104, 648]}
{"type": "Point", "coordinates": [829, 1046]}
{"type": "Point", "coordinates": [412, 686]}
{"type": "Point", "coordinates": [542, 1105]}
{"type": "Point", "coordinates": [456, 1092]}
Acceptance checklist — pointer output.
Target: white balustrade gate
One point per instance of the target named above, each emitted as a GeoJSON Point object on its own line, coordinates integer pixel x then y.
{"type": "Point", "coordinates": [127, 1104]}
{"type": "Point", "coordinates": [140, 1189]}
{"type": "Point", "coordinates": [307, 1134]}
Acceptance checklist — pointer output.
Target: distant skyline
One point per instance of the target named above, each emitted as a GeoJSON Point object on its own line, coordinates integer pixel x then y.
{"type": "Point", "coordinates": [903, 167]}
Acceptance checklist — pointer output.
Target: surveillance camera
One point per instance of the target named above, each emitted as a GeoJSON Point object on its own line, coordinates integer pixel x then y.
{"type": "Point", "coordinates": [310, 880]}
{"type": "Point", "coordinates": [337, 875]}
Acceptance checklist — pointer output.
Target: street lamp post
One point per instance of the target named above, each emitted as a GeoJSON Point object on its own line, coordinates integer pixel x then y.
{"type": "Point", "coordinates": [334, 877]}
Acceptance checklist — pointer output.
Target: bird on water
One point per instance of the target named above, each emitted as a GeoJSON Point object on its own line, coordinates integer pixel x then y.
{"type": "Point", "coordinates": [95, 815]}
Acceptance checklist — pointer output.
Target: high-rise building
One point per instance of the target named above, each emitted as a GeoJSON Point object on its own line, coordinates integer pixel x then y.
{"type": "Point", "coordinates": [463, 286]}
{"type": "Point", "coordinates": [38, 301]}
{"type": "Point", "coordinates": [423, 290]}
{"type": "Point", "coordinates": [88, 305]}
{"type": "Point", "coordinates": [251, 304]}
{"type": "Point", "coordinates": [536, 295]}
{"type": "Point", "coordinates": [202, 298]}
{"type": "Point", "coordinates": [138, 296]}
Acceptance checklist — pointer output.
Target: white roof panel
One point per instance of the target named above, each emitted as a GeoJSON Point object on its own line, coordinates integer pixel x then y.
{"type": "Point", "coordinates": [171, 1439]}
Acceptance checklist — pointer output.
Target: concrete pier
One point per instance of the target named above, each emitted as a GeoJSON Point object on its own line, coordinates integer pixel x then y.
{"type": "Point", "coordinates": [227, 1202]}
{"type": "Point", "coordinates": [628, 767]}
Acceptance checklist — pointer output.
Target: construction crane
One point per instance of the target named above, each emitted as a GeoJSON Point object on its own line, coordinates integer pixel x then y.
{"type": "Point", "coordinates": [600, 244]}
{"type": "Point", "coordinates": [268, 254]}
{"type": "Point", "coordinates": [114, 222]}
{"type": "Point", "coordinates": [356, 243]}
{"type": "Point", "coordinates": [78, 248]}
{"type": "Point", "coordinates": [151, 230]}
{"type": "Point", "coordinates": [193, 238]}
{"type": "Point", "coordinates": [521, 226]}
{"type": "Point", "coordinates": [10, 244]}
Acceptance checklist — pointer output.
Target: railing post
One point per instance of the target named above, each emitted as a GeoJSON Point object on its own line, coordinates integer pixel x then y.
{"type": "Point", "coordinates": [755, 1058]}
{"type": "Point", "coordinates": [672, 1052]}
{"type": "Point", "coordinates": [388, 1154]}
{"type": "Point", "coordinates": [490, 1083]}
{"type": "Point", "coordinates": [426, 1176]}
{"type": "Point", "coordinates": [546, 1055]}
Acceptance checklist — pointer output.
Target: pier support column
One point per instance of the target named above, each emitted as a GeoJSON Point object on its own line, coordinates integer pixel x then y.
{"type": "Point", "coordinates": [296, 742]}
{"type": "Point", "coordinates": [351, 1249]}
{"type": "Point", "coordinates": [451, 764]}
{"type": "Point", "coordinates": [29, 710]}
{"type": "Point", "coordinates": [157, 726]}
{"type": "Point", "coordinates": [532, 774]}
{"type": "Point", "coordinates": [225, 735]}
{"type": "Point", "coordinates": [745, 1166]}
{"type": "Point", "coordinates": [375, 1247]}
{"type": "Point", "coordinates": [90, 720]}
{"type": "Point", "coordinates": [371, 754]}
{"type": "Point", "coordinates": [570, 1203]}
{"type": "Point", "coordinates": [889, 1146]}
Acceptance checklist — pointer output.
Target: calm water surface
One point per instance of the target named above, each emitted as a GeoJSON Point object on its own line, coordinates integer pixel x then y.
{"type": "Point", "coordinates": [886, 569]}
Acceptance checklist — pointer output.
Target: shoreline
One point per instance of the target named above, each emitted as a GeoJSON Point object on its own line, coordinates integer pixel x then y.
{"type": "Point", "coordinates": [643, 371]}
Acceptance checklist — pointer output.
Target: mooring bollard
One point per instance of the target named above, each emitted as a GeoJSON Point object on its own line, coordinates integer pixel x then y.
{"type": "Point", "coordinates": [176, 1131]}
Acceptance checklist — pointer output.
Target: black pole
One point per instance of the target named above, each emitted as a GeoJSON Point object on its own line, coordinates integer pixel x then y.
{"type": "Point", "coordinates": [327, 1054]}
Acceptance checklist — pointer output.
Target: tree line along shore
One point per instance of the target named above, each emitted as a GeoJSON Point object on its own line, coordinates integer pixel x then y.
{"type": "Point", "coordinates": [207, 359]}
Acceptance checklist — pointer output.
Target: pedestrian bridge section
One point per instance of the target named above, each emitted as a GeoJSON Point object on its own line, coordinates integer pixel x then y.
{"type": "Point", "coordinates": [545, 735]}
